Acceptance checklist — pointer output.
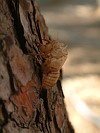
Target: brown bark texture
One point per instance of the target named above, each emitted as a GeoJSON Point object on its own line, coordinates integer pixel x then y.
{"type": "Point", "coordinates": [25, 107]}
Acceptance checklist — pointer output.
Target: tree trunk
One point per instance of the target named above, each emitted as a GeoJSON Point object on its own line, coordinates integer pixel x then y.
{"type": "Point", "coordinates": [25, 107]}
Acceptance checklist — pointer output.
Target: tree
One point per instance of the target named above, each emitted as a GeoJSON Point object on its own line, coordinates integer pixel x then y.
{"type": "Point", "coordinates": [25, 107]}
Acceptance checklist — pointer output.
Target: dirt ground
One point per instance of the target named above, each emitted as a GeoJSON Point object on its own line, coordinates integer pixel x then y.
{"type": "Point", "coordinates": [77, 24]}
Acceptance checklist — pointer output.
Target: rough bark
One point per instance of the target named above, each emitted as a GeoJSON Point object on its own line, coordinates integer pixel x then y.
{"type": "Point", "coordinates": [25, 107]}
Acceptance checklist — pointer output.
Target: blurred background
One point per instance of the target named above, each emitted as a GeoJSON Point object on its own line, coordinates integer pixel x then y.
{"type": "Point", "coordinates": [76, 23]}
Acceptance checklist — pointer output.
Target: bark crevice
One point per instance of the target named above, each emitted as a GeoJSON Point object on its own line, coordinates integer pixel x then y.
{"type": "Point", "coordinates": [14, 9]}
{"type": "Point", "coordinates": [3, 111]}
{"type": "Point", "coordinates": [43, 95]}
{"type": "Point", "coordinates": [11, 80]}
{"type": "Point", "coordinates": [36, 22]}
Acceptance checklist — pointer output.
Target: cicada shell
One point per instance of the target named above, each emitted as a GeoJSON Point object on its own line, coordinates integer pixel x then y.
{"type": "Point", "coordinates": [54, 54]}
{"type": "Point", "coordinates": [50, 79]}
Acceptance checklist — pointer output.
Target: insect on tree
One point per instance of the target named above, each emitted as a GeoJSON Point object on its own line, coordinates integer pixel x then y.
{"type": "Point", "coordinates": [54, 54]}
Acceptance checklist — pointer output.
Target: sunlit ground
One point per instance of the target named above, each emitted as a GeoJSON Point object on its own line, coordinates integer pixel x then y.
{"type": "Point", "coordinates": [77, 24]}
{"type": "Point", "coordinates": [82, 98]}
